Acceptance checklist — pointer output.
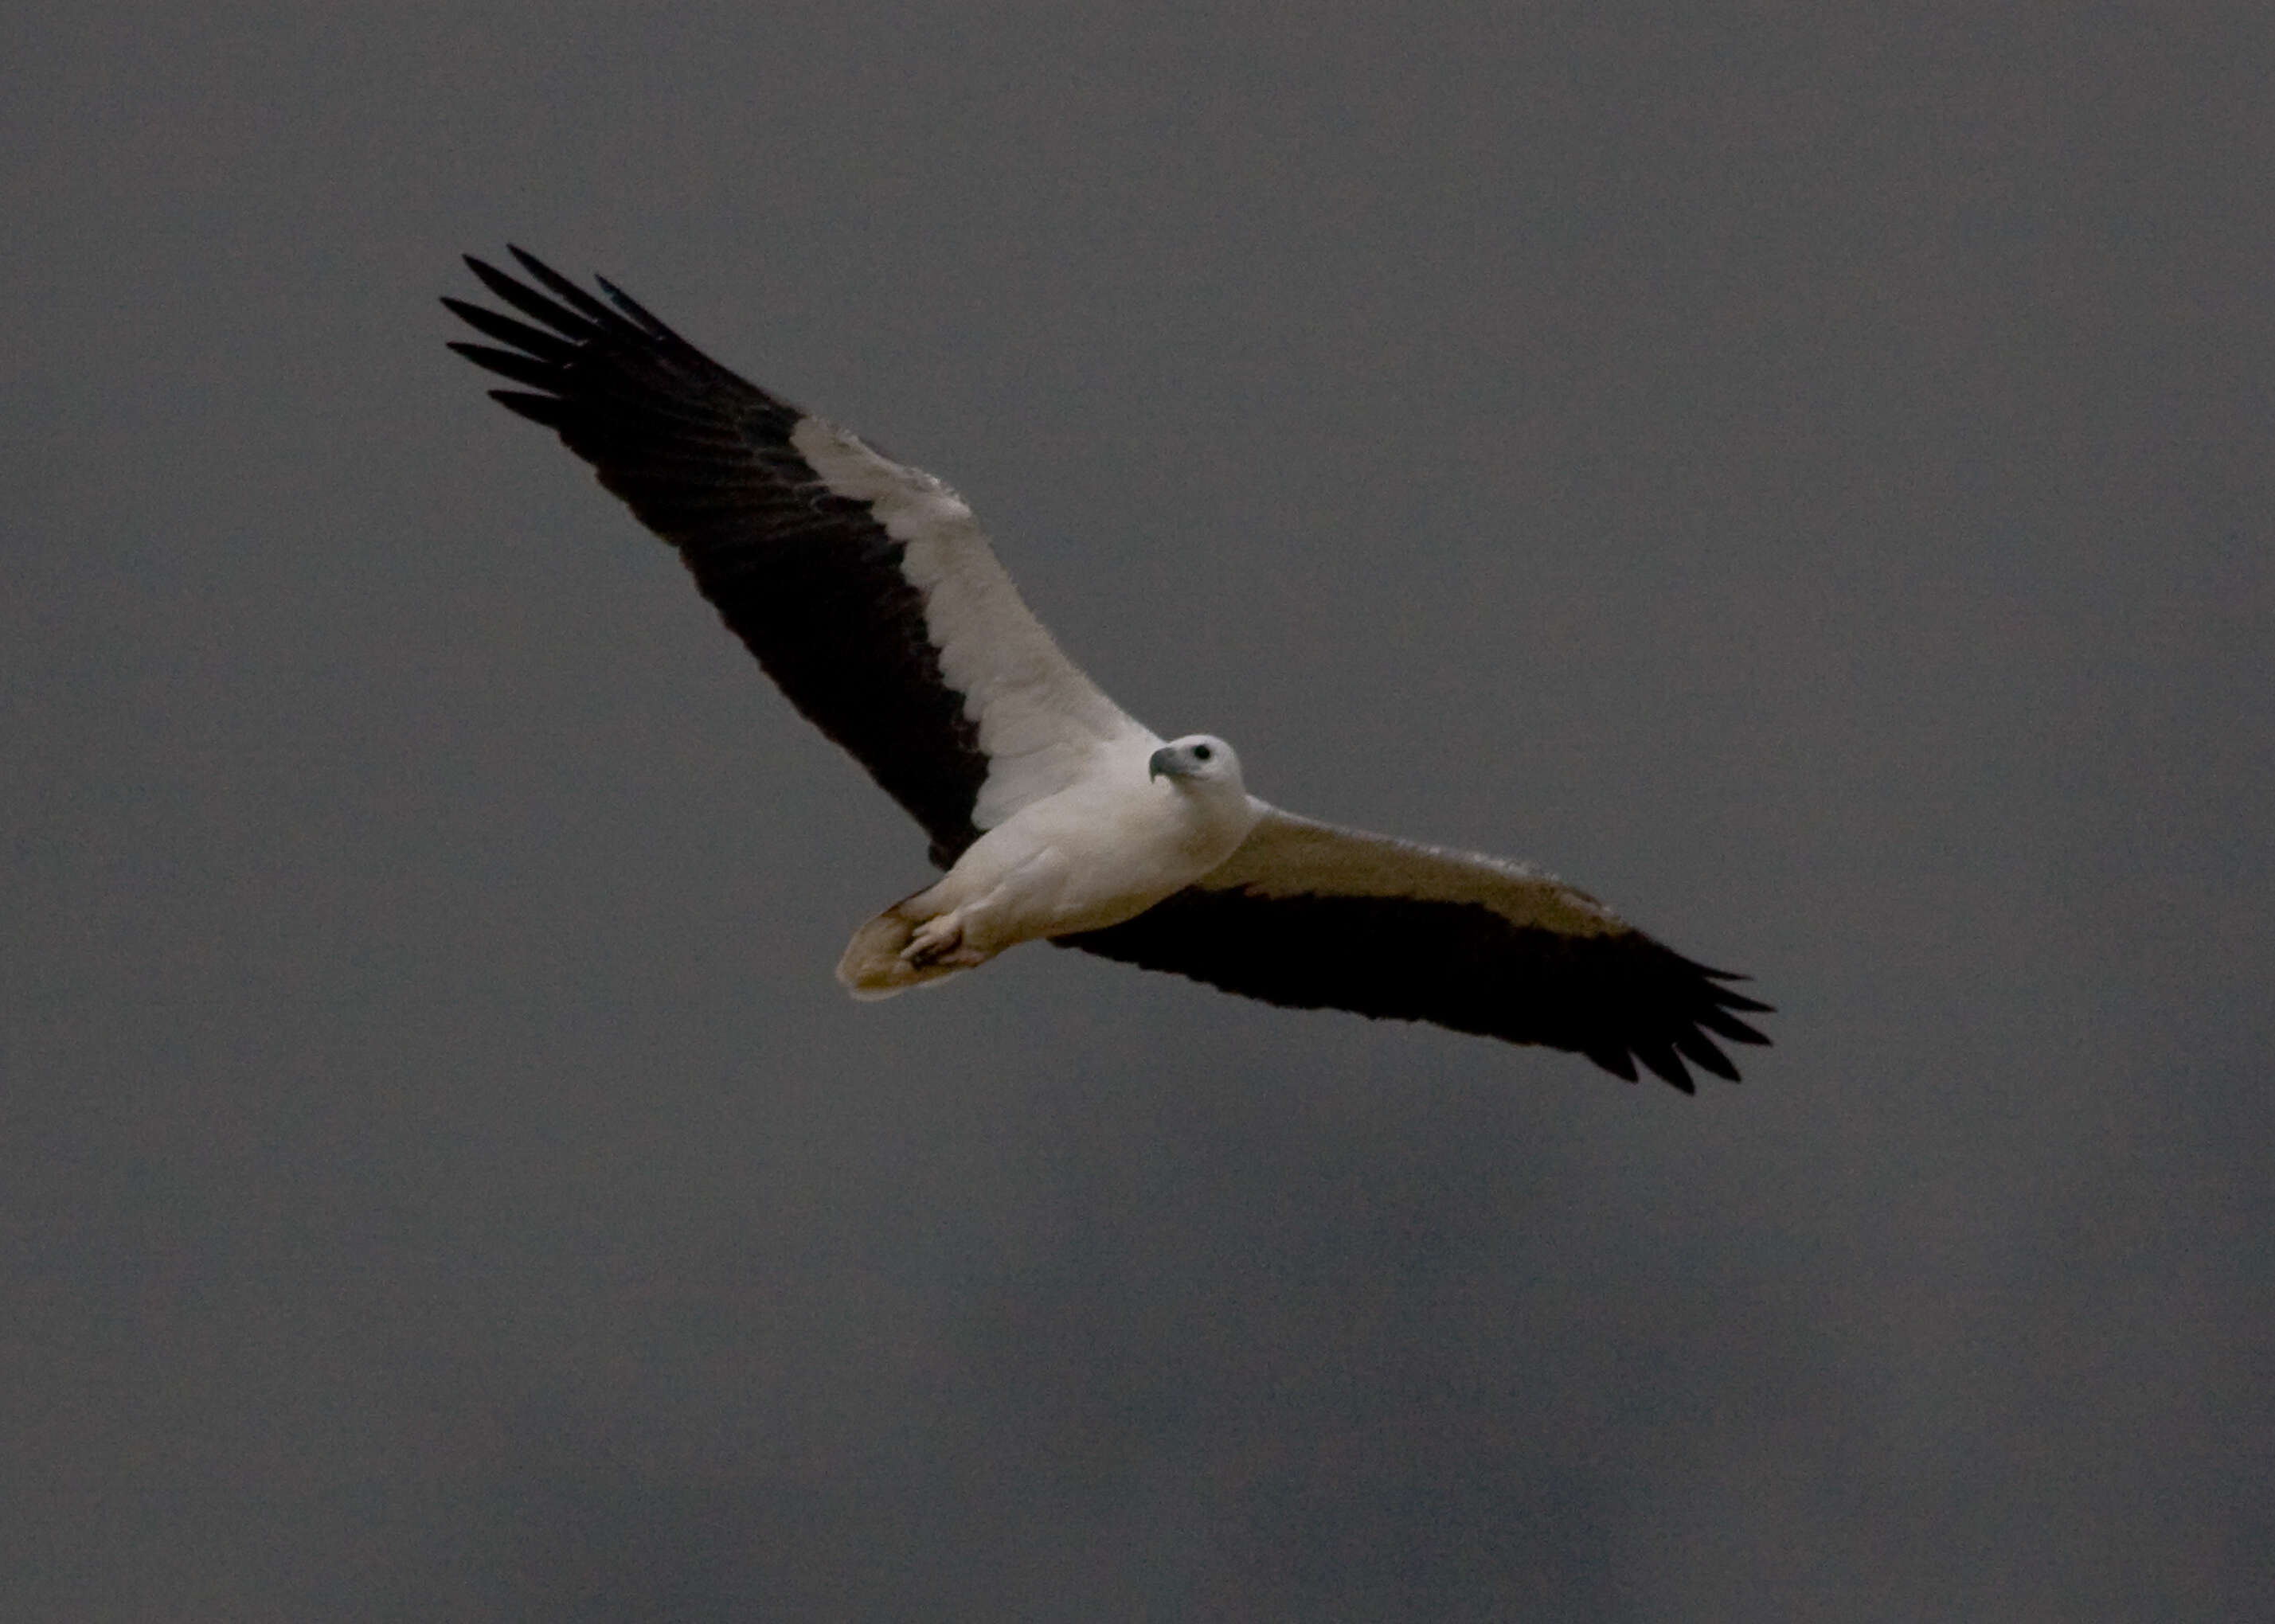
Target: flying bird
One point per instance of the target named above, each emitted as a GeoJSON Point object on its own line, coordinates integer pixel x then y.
{"type": "Point", "coordinates": [870, 594]}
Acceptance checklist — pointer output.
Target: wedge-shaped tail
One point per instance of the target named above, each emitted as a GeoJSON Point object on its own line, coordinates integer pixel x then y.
{"type": "Point", "coordinates": [869, 592]}
{"type": "Point", "coordinates": [876, 964]}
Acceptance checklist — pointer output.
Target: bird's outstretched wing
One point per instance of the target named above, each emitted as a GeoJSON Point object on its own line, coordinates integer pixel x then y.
{"type": "Point", "coordinates": [1310, 915]}
{"type": "Point", "coordinates": [865, 589]}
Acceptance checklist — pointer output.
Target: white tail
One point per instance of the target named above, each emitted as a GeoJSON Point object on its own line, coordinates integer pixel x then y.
{"type": "Point", "coordinates": [874, 966]}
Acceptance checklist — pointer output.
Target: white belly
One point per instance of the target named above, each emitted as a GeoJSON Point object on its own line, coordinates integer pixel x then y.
{"type": "Point", "coordinates": [1098, 853]}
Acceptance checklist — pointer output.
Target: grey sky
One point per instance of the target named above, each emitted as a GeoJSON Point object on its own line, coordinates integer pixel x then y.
{"type": "Point", "coordinates": [1803, 474]}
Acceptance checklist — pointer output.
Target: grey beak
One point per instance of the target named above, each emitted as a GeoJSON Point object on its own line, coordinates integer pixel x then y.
{"type": "Point", "coordinates": [1157, 764]}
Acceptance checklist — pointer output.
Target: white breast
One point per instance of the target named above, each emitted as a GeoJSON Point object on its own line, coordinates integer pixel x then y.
{"type": "Point", "coordinates": [1104, 849]}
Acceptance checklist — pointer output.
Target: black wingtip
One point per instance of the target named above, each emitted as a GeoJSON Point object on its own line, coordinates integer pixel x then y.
{"type": "Point", "coordinates": [550, 411]}
{"type": "Point", "coordinates": [559, 285]}
{"type": "Point", "coordinates": [1614, 1061]}
{"type": "Point", "coordinates": [506, 364]}
{"type": "Point", "coordinates": [630, 305]}
{"type": "Point", "coordinates": [1665, 1064]}
{"type": "Point", "coordinates": [1700, 1050]}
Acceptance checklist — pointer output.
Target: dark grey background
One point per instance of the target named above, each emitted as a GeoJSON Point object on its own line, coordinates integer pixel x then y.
{"type": "Point", "coordinates": [1803, 473]}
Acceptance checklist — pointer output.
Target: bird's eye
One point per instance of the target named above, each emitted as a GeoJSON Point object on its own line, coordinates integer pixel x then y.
{"type": "Point", "coordinates": [1202, 752]}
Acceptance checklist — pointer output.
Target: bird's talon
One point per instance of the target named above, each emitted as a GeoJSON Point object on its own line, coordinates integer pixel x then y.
{"type": "Point", "coordinates": [931, 941]}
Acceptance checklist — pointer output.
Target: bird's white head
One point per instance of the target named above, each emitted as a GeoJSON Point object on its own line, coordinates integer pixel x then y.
{"type": "Point", "coordinates": [1198, 761]}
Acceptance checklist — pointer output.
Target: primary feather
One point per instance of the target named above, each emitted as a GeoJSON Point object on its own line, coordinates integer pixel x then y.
{"type": "Point", "coordinates": [870, 594]}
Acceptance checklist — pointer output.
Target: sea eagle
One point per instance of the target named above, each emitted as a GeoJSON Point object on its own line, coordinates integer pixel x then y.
{"type": "Point", "coordinates": [869, 593]}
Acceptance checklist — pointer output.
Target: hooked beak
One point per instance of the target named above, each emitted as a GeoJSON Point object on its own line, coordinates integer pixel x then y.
{"type": "Point", "coordinates": [1162, 763]}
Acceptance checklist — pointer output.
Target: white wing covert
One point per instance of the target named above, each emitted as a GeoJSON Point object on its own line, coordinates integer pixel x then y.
{"type": "Point", "coordinates": [865, 589]}
{"type": "Point", "coordinates": [870, 594]}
